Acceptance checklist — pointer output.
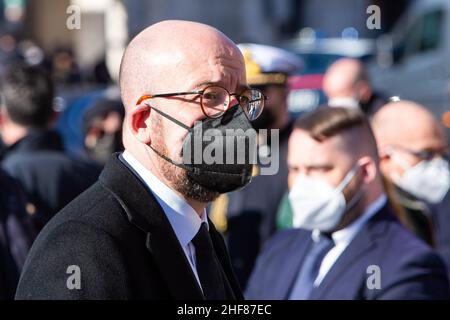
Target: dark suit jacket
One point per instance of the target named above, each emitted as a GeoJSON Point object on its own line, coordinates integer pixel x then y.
{"type": "Point", "coordinates": [16, 235]}
{"type": "Point", "coordinates": [409, 269]}
{"type": "Point", "coordinates": [120, 238]}
{"type": "Point", "coordinates": [441, 223]}
{"type": "Point", "coordinates": [50, 177]}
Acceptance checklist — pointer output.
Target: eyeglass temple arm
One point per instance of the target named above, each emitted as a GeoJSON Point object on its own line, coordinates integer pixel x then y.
{"type": "Point", "coordinates": [162, 95]}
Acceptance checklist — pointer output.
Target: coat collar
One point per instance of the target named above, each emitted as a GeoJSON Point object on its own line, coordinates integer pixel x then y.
{"type": "Point", "coordinates": [143, 211]}
{"type": "Point", "coordinates": [36, 140]}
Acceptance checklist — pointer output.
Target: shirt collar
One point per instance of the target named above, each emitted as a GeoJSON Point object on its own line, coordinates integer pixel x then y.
{"type": "Point", "coordinates": [345, 235]}
{"type": "Point", "coordinates": [183, 218]}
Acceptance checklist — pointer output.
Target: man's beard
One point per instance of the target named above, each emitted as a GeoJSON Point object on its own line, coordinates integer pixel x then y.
{"type": "Point", "coordinates": [176, 176]}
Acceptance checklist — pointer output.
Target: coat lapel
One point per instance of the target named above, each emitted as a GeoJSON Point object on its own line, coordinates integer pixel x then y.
{"type": "Point", "coordinates": [144, 212]}
{"type": "Point", "coordinates": [291, 264]}
{"type": "Point", "coordinates": [361, 245]}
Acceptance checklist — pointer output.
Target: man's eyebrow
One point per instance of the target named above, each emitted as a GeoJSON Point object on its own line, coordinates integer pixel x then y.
{"type": "Point", "coordinates": [319, 166]}
{"type": "Point", "coordinates": [202, 85]}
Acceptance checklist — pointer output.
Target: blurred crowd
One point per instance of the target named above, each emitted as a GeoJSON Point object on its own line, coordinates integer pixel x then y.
{"type": "Point", "coordinates": [347, 171]}
{"type": "Point", "coordinates": [39, 175]}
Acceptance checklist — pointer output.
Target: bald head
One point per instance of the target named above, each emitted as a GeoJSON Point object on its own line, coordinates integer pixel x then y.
{"type": "Point", "coordinates": [341, 77]}
{"type": "Point", "coordinates": [409, 125]}
{"type": "Point", "coordinates": [160, 58]}
{"type": "Point", "coordinates": [346, 84]}
{"type": "Point", "coordinates": [169, 63]}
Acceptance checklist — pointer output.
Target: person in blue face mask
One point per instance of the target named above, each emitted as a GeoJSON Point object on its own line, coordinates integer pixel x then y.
{"type": "Point", "coordinates": [414, 159]}
{"type": "Point", "coordinates": [347, 242]}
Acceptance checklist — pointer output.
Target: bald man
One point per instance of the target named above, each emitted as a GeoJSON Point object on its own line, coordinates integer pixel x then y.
{"type": "Point", "coordinates": [347, 244]}
{"type": "Point", "coordinates": [141, 232]}
{"type": "Point", "coordinates": [346, 85]}
{"type": "Point", "coordinates": [414, 158]}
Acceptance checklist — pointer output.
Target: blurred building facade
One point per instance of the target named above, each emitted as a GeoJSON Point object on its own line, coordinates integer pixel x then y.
{"type": "Point", "coordinates": [102, 33]}
{"type": "Point", "coordinates": [106, 25]}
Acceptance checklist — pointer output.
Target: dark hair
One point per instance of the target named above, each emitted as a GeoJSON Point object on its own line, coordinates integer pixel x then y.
{"type": "Point", "coordinates": [28, 95]}
{"type": "Point", "coordinates": [326, 122]}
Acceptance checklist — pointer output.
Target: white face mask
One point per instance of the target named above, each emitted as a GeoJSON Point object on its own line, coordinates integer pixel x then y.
{"type": "Point", "coordinates": [318, 205]}
{"type": "Point", "coordinates": [428, 180]}
{"type": "Point", "coordinates": [346, 102]}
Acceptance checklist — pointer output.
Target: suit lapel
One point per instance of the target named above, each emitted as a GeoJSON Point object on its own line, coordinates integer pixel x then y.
{"type": "Point", "coordinates": [291, 264]}
{"type": "Point", "coordinates": [144, 212]}
{"type": "Point", "coordinates": [361, 245]}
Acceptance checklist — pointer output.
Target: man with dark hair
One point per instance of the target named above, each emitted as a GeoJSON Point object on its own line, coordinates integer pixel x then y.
{"type": "Point", "coordinates": [34, 154]}
{"type": "Point", "coordinates": [28, 97]}
{"type": "Point", "coordinates": [347, 243]}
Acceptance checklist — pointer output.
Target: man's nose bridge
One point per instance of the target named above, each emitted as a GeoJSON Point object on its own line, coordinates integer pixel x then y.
{"type": "Point", "coordinates": [233, 101]}
{"type": "Point", "coordinates": [303, 171]}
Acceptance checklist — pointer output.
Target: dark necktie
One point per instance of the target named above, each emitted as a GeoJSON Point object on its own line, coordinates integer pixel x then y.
{"type": "Point", "coordinates": [310, 269]}
{"type": "Point", "coordinates": [208, 266]}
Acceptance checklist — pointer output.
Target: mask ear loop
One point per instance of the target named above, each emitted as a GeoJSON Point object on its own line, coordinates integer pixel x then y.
{"type": "Point", "coordinates": [165, 115]}
{"type": "Point", "coordinates": [355, 199]}
{"type": "Point", "coordinates": [348, 177]}
{"type": "Point", "coordinates": [180, 165]}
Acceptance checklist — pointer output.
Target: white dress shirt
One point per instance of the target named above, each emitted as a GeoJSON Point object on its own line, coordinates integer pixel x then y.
{"type": "Point", "coordinates": [343, 237]}
{"type": "Point", "coordinates": [183, 218]}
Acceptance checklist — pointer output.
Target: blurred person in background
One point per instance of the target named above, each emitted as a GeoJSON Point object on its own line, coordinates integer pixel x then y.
{"type": "Point", "coordinates": [64, 67]}
{"type": "Point", "coordinates": [414, 157]}
{"type": "Point", "coordinates": [347, 243]}
{"type": "Point", "coordinates": [248, 216]}
{"type": "Point", "coordinates": [16, 235]}
{"type": "Point", "coordinates": [102, 128]}
{"type": "Point", "coordinates": [9, 51]}
{"type": "Point", "coordinates": [346, 84]}
{"type": "Point", "coordinates": [100, 73]}
{"type": "Point", "coordinates": [34, 154]}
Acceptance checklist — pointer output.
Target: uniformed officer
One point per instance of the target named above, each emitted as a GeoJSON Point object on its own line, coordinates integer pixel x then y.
{"type": "Point", "coordinates": [248, 216]}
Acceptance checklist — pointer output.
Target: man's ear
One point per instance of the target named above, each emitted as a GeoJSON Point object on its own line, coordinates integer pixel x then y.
{"type": "Point", "coordinates": [384, 155]}
{"type": "Point", "coordinates": [138, 120]}
{"type": "Point", "coordinates": [369, 169]}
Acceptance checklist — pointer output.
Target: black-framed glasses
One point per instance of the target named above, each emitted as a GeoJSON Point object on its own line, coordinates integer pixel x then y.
{"type": "Point", "coordinates": [215, 100]}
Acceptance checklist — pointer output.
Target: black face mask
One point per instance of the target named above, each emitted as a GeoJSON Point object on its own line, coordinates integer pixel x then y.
{"type": "Point", "coordinates": [220, 177]}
